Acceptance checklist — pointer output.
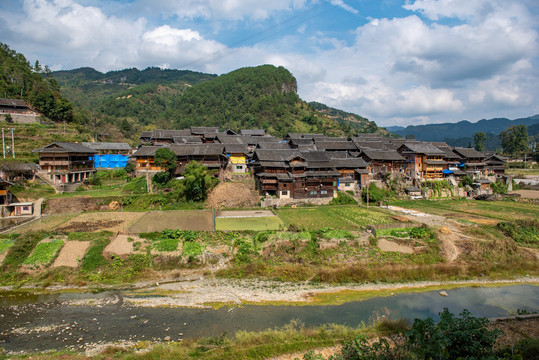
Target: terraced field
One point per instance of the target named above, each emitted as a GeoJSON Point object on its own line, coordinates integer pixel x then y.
{"type": "Point", "coordinates": [337, 217]}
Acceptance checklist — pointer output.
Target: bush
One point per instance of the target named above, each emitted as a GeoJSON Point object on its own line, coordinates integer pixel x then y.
{"type": "Point", "coordinates": [525, 232]}
{"type": "Point", "coordinates": [343, 199]}
{"type": "Point", "coordinates": [161, 178]}
{"type": "Point", "coordinates": [376, 194]}
{"type": "Point", "coordinates": [499, 187]}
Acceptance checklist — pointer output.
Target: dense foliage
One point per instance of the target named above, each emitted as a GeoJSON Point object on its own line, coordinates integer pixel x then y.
{"type": "Point", "coordinates": [515, 139]}
{"type": "Point", "coordinates": [464, 337]}
{"type": "Point", "coordinates": [33, 84]}
{"type": "Point", "coordinates": [198, 181]}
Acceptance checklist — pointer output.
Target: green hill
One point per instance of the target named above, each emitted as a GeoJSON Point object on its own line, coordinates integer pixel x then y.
{"type": "Point", "coordinates": [33, 84]}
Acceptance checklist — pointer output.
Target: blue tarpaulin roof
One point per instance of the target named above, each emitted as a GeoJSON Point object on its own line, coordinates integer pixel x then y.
{"type": "Point", "coordinates": [110, 161]}
{"type": "Point", "coordinates": [445, 171]}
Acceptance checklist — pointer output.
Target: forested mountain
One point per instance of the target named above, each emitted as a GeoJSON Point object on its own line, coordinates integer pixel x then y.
{"type": "Point", "coordinates": [356, 122]}
{"type": "Point", "coordinates": [440, 132]}
{"type": "Point", "coordinates": [256, 97]}
{"type": "Point", "coordinates": [33, 84]}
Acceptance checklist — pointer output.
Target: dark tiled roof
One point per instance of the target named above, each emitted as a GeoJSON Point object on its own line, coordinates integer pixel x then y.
{"type": "Point", "coordinates": [390, 155]}
{"type": "Point", "coordinates": [11, 166]}
{"type": "Point", "coordinates": [146, 134]}
{"type": "Point", "coordinates": [199, 149]}
{"type": "Point", "coordinates": [186, 139]}
{"type": "Point", "coordinates": [253, 132]}
{"type": "Point", "coordinates": [169, 134]}
{"type": "Point", "coordinates": [422, 148]}
{"type": "Point", "coordinates": [369, 145]}
{"type": "Point", "coordinates": [447, 150]}
{"type": "Point", "coordinates": [316, 156]}
{"type": "Point", "coordinates": [146, 151]}
{"type": "Point", "coordinates": [13, 103]}
{"type": "Point", "coordinates": [230, 139]}
{"type": "Point", "coordinates": [435, 162]}
{"type": "Point", "coordinates": [276, 155]}
{"type": "Point", "coordinates": [274, 146]}
{"type": "Point", "coordinates": [200, 130]}
{"type": "Point", "coordinates": [64, 147]}
{"type": "Point", "coordinates": [236, 148]}
{"type": "Point", "coordinates": [335, 145]}
{"type": "Point", "coordinates": [349, 163]}
{"type": "Point", "coordinates": [107, 146]}
{"type": "Point", "coordinates": [468, 153]}
{"type": "Point", "coordinates": [300, 141]}
{"type": "Point", "coordinates": [322, 173]}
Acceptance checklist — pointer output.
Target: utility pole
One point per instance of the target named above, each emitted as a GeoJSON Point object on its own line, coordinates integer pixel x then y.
{"type": "Point", "coordinates": [3, 144]}
{"type": "Point", "coordinates": [12, 143]}
{"type": "Point", "coordinates": [368, 183]}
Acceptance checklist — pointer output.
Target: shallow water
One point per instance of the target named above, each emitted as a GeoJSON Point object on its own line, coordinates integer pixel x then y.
{"type": "Point", "coordinates": [24, 317]}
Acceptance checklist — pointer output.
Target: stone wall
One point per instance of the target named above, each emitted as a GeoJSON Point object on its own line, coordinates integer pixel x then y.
{"type": "Point", "coordinates": [270, 202]}
{"type": "Point", "coordinates": [24, 118]}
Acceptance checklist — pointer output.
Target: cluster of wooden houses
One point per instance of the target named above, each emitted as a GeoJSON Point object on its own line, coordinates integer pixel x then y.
{"type": "Point", "coordinates": [297, 166]}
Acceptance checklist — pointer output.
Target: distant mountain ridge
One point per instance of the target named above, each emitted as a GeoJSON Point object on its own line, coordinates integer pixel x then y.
{"type": "Point", "coordinates": [440, 132]}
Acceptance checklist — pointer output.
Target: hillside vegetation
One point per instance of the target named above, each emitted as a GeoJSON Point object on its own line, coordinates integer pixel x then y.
{"type": "Point", "coordinates": [33, 84]}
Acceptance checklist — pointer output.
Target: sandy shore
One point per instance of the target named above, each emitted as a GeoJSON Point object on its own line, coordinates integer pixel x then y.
{"type": "Point", "coordinates": [204, 292]}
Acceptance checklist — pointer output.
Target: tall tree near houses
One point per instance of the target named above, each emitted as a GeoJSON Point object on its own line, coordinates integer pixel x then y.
{"type": "Point", "coordinates": [479, 139]}
{"type": "Point", "coordinates": [515, 139]}
{"type": "Point", "coordinates": [166, 160]}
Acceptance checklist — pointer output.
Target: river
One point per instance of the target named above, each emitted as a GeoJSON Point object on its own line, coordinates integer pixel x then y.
{"type": "Point", "coordinates": [60, 321]}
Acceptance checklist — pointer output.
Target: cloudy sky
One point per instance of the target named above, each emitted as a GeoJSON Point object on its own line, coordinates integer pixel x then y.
{"type": "Point", "coordinates": [395, 62]}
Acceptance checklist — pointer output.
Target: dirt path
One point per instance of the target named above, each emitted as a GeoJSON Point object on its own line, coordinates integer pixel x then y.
{"type": "Point", "coordinates": [386, 245]}
{"type": "Point", "coordinates": [448, 234]}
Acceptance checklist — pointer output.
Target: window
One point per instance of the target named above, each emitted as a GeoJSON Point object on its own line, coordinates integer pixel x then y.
{"type": "Point", "coordinates": [25, 208]}
{"type": "Point", "coordinates": [323, 192]}
{"type": "Point", "coordinates": [239, 167]}
{"type": "Point", "coordinates": [285, 192]}
{"type": "Point", "coordinates": [314, 192]}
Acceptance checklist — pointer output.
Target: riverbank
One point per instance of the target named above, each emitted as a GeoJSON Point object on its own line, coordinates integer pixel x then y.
{"type": "Point", "coordinates": [196, 291]}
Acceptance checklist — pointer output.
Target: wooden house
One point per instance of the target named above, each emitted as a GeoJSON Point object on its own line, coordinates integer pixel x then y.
{"type": "Point", "coordinates": [14, 106]}
{"type": "Point", "coordinates": [495, 164]}
{"type": "Point", "coordinates": [5, 195]}
{"type": "Point", "coordinates": [423, 160]}
{"type": "Point", "coordinates": [66, 163]}
{"type": "Point", "coordinates": [291, 174]}
{"type": "Point", "coordinates": [353, 173]}
{"type": "Point", "coordinates": [210, 155]}
{"type": "Point", "coordinates": [144, 158]}
{"type": "Point", "coordinates": [110, 155]}
{"type": "Point", "coordinates": [383, 161]}
{"type": "Point", "coordinates": [472, 161]}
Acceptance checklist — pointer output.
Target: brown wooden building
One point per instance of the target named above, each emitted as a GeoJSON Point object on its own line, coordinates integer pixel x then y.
{"type": "Point", "coordinates": [66, 163]}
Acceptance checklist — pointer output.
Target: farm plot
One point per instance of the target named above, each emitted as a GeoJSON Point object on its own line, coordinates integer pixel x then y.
{"type": "Point", "coordinates": [337, 217]}
{"type": "Point", "coordinates": [46, 223]}
{"type": "Point", "coordinates": [156, 221]}
{"type": "Point", "coordinates": [5, 244]}
{"type": "Point", "coordinates": [44, 252]}
{"type": "Point", "coordinates": [71, 254]}
{"type": "Point", "coordinates": [100, 221]}
{"type": "Point", "coordinates": [247, 220]}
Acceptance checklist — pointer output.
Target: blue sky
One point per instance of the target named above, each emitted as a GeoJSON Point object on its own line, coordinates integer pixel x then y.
{"type": "Point", "coordinates": [395, 62]}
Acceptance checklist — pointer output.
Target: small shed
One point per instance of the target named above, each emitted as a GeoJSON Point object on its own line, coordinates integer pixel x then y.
{"type": "Point", "coordinates": [22, 208]}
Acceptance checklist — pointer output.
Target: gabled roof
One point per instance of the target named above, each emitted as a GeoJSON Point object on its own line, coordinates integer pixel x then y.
{"type": "Point", "coordinates": [230, 139]}
{"type": "Point", "coordinates": [447, 150]}
{"type": "Point", "coordinates": [369, 145]}
{"type": "Point", "coordinates": [253, 132]}
{"type": "Point", "coordinates": [146, 134]}
{"type": "Point", "coordinates": [301, 141]}
{"type": "Point", "coordinates": [22, 167]}
{"type": "Point", "coordinates": [201, 130]}
{"type": "Point", "coordinates": [468, 153]}
{"type": "Point", "coordinates": [186, 139]}
{"type": "Point", "coordinates": [146, 151]}
{"type": "Point", "coordinates": [274, 146]}
{"type": "Point", "coordinates": [236, 149]}
{"type": "Point", "coordinates": [368, 136]}
{"type": "Point", "coordinates": [335, 145]}
{"type": "Point", "coordinates": [390, 155]}
{"type": "Point", "coordinates": [315, 156]}
{"type": "Point", "coordinates": [495, 159]}
{"type": "Point", "coordinates": [107, 146]}
{"type": "Point", "coordinates": [199, 149]}
{"type": "Point", "coordinates": [422, 148]}
{"type": "Point", "coordinates": [13, 103]}
{"type": "Point", "coordinates": [349, 163]}
{"type": "Point", "coordinates": [64, 147]}
{"type": "Point", "coordinates": [276, 155]}
{"type": "Point", "coordinates": [169, 134]}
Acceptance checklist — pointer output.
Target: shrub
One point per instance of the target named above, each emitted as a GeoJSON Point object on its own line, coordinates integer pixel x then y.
{"type": "Point", "coordinates": [524, 232]}
{"type": "Point", "coordinates": [343, 199]}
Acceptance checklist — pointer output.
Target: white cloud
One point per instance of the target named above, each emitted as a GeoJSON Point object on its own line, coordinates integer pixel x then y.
{"type": "Point", "coordinates": [222, 9]}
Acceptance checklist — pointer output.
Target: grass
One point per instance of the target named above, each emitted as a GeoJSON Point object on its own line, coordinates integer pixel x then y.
{"type": "Point", "coordinates": [522, 171]}
{"type": "Point", "coordinates": [336, 217]}
{"type": "Point", "coordinates": [249, 223]}
{"type": "Point", "coordinates": [44, 252]}
{"type": "Point", "coordinates": [401, 233]}
{"type": "Point", "coordinates": [94, 256]}
{"type": "Point", "coordinates": [473, 209]}
{"type": "Point", "coordinates": [5, 244]}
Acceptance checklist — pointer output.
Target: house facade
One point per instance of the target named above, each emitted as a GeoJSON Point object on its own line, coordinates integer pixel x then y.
{"type": "Point", "coordinates": [66, 163]}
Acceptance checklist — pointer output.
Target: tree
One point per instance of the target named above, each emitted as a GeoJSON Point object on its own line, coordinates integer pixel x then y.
{"type": "Point", "coordinates": [166, 160]}
{"type": "Point", "coordinates": [515, 139]}
{"type": "Point", "coordinates": [479, 139]}
{"type": "Point", "coordinates": [198, 181]}
{"type": "Point", "coordinates": [8, 118]}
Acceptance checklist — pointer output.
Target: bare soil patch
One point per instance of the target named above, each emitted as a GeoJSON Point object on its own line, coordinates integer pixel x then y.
{"type": "Point", "coordinates": [196, 220]}
{"type": "Point", "coordinates": [74, 205]}
{"type": "Point", "coordinates": [386, 245]}
{"type": "Point", "coordinates": [71, 254]}
{"type": "Point", "coordinates": [527, 194]}
{"type": "Point", "coordinates": [101, 221]}
{"type": "Point", "coordinates": [233, 194]}
{"type": "Point", "coordinates": [121, 246]}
